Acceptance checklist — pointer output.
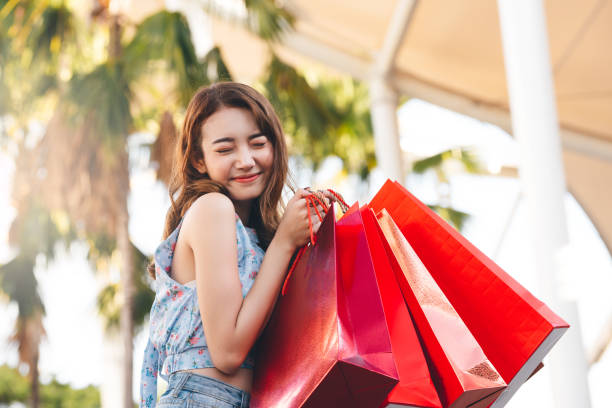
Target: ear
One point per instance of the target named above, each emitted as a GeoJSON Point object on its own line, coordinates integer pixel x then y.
{"type": "Point", "coordinates": [199, 165]}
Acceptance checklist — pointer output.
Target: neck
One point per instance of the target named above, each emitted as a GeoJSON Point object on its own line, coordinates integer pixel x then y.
{"type": "Point", "coordinates": [243, 209]}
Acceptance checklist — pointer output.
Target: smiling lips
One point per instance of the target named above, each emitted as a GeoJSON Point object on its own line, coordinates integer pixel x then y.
{"type": "Point", "coordinates": [246, 179]}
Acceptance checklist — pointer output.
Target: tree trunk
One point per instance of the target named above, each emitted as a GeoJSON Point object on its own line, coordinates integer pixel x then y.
{"type": "Point", "coordinates": [35, 386]}
{"type": "Point", "coordinates": [126, 323]}
{"type": "Point", "coordinates": [127, 282]}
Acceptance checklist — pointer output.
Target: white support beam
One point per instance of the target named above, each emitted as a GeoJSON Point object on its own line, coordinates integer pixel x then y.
{"type": "Point", "coordinates": [400, 20]}
{"type": "Point", "coordinates": [495, 115]}
{"type": "Point", "coordinates": [354, 66]}
{"type": "Point", "coordinates": [361, 68]}
{"type": "Point", "coordinates": [384, 98]}
{"type": "Point", "coordinates": [536, 129]}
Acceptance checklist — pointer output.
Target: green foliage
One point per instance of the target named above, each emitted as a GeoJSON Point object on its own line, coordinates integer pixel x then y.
{"type": "Point", "coordinates": [33, 36]}
{"type": "Point", "coordinates": [108, 298]}
{"type": "Point", "coordinates": [455, 217]}
{"type": "Point", "coordinates": [298, 105]}
{"type": "Point", "coordinates": [331, 118]}
{"type": "Point", "coordinates": [17, 280]}
{"type": "Point", "coordinates": [15, 388]}
{"type": "Point", "coordinates": [101, 98]}
{"type": "Point", "coordinates": [266, 19]}
{"type": "Point", "coordinates": [352, 137]}
{"type": "Point", "coordinates": [143, 296]}
{"type": "Point", "coordinates": [465, 156]}
{"type": "Point", "coordinates": [34, 231]}
{"type": "Point", "coordinates": [56, 27]}
{"type": "Point", "coordinates": [166, 37]}
{"type": "Point", "coordinates": [215, 67]}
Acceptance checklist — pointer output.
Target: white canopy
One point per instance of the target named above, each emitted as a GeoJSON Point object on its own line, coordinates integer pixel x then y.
{"type": "Point", "coordinates": [451, 55]}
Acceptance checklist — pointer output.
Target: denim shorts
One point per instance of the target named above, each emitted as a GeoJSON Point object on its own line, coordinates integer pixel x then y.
{"type": "Point", "coordinates": [189, 390]}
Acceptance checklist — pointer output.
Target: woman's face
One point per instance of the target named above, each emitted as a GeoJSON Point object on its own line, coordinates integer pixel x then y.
{"type": "Point", "coordinates": [236, 153]}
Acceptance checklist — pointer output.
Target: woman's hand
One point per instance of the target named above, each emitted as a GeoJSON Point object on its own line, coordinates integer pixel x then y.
{"type": "Point", "coordinates": [324, 197]}
{"type": "Point", "coordinates": [294, 226]}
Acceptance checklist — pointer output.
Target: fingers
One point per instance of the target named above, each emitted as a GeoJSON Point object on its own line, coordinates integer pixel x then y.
{"type": "Point", "coordinates": [301, 193]}
{"type": "Point", "coordinates": [313, 204]}
{"type": "Point", "coordinates": [329, 196]}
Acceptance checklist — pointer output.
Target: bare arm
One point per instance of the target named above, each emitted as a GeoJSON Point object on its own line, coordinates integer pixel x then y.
{"type": "Point", "coordinates": [231, 323]}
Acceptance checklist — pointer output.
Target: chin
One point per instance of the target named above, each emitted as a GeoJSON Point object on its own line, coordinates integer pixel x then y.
{"type": "Point", "coordinates": [246, 193]}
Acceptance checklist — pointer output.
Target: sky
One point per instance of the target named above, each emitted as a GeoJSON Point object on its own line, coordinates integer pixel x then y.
{"type": "Point", "coordinates": [77, 352]}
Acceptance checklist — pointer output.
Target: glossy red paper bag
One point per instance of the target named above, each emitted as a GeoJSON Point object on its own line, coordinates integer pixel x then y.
{"type": "Point", "coordinates": [415, 387]}
{"type": "Point", "coordinates": [514, 329]}
{"type": "Point", "coordinates": [327, 344]}
{"type": "Point", "coordinates": [461, 371]}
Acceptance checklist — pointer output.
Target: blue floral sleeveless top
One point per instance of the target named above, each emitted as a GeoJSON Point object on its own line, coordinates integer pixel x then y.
{"type": "Point", "coordinates": [176, 336]}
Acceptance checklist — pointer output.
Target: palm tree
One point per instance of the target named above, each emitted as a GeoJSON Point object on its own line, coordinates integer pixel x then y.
{"type": "Point", "coordinates": [33, 232]}
{"type": "Point", "coordinates": [84, 155]}
{"type": "Point", "coordinates": [99, 107]}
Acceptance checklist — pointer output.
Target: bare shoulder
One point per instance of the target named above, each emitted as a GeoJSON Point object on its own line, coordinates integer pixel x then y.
{"type": "Point", "coordinates": [213, 210]}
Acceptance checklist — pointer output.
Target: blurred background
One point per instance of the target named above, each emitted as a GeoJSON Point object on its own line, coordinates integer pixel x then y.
{"type": "Point", "coordinates": [496, 114]}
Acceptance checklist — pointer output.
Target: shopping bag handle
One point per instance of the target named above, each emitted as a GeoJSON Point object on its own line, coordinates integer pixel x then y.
{"type": "Point", "coordinates": [312, 200]}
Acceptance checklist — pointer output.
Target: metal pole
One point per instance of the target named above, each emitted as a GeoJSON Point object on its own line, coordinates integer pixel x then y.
{"type": "Point", "coordinates": [536, 128]}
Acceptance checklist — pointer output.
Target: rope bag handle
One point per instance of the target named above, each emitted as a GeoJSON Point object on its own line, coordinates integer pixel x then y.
{"type": "Point", "coordinates": [312, 200]}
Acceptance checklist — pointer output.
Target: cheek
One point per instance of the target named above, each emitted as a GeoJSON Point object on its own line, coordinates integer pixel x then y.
{"type": "Point", "coordinates": [268, 158]}
{"type": "Point", "coordinates": [218, 167]}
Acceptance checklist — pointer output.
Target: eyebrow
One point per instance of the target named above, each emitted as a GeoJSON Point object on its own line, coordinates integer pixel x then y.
{"type": "Point", "coordinates": [231, 139]}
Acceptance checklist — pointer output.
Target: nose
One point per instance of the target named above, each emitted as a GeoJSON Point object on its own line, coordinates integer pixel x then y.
{"type": "Point", "coordinates": [245, 159]}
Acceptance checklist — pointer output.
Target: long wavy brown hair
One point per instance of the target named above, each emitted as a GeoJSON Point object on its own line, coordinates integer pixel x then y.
{"type": "Point", "coordinates": [187, 183]}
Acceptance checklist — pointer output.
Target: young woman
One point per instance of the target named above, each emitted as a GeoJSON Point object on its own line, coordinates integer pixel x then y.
{"type": "Point", "coordinates": [226, 250]}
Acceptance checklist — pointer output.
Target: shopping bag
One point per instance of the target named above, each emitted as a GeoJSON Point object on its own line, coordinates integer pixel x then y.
{"type": "Point", "coordinates": [415, 387]}
{"type": "Point", "coordinates": [463, 374]}
{"type": "Point", "coordinates": [326, 344]}
{"type": "Point", "coordinates": [514, 329]}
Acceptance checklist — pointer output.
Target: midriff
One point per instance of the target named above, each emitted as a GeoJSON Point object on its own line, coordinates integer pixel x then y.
{"type": "Point", "coordinates": [243, 378]}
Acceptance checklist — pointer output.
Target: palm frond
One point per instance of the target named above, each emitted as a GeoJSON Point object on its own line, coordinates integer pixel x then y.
{"type": "Point", "coordinates": [56, 27]}
{"type": "Point", "coordinates": [109, 305]}
{"type": "Point", "coordinates": [351, 137]}
{"type": "Point", "coordinates": [454, 217]}
{"type": "Point", "coordinates": [266, 19]}
{"type": "Point", "coordinates": [84, 186]}
{"type": "Point", "coordinates": [422, 165]}
{"type": "Point", "coordinates": [468, 158]}
{"type": "Point", "coordinates": [166, 37]}
{"type": "Point", "coordinates": [215, 68]}
{"type": "Point", "coordinates": [17, 280]}
{"type": "Point", "coordinates": [35, 232]}
{"type": "Point", "coordinates": [101, 99]}
{"type": "Point", "coordinates": [464, 155]}
{"type": "Point", "coordinates": [298, 105]}
{"type": "Point", "coordinates": [5, 97]}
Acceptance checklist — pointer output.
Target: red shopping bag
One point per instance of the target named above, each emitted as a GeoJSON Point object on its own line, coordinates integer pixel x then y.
{"type": "Point", "coordinates": [415, 387]}
{"type": "Point", "coordinates": [514, 329]}
{"type": "Point", "coordinates": [462, 372]}
{"type": "Point", "coordinates": [327, 344]}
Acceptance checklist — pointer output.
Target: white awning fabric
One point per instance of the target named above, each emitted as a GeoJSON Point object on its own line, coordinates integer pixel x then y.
{"type": "Point", "coordinates": [451, 56]}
